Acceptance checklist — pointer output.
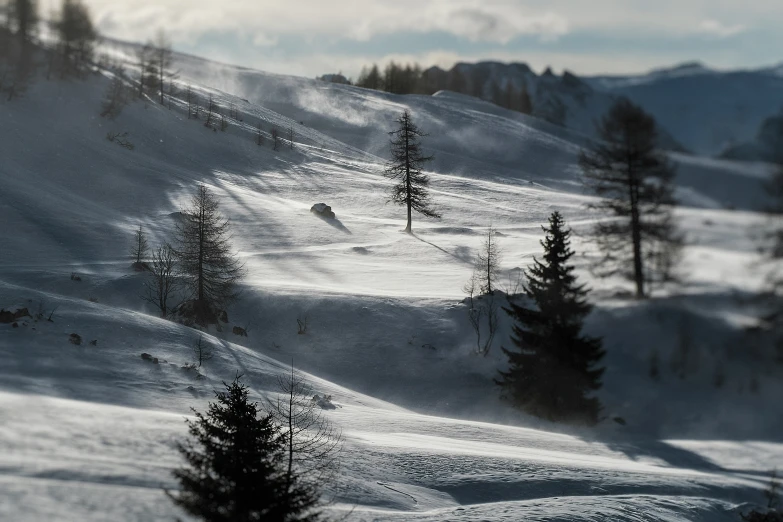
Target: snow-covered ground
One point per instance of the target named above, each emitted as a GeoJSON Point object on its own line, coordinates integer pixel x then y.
{"type": "Point", "coordinates": [87, 431]}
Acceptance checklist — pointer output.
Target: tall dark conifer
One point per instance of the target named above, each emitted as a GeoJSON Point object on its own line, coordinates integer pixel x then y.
{"type": "Point", "coordinates": [411, 188]}
{"type": "Point", "coordinates": [203, 250]}
{"type": "Point", "coordinates": [635, 182]}
{"type": "Point", "coordinates": [553, 371]}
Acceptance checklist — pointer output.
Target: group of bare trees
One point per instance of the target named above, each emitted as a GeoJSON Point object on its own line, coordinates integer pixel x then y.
{"type": "Point", "coordinates": [155, 61]}
{"type": "Point", "coordinates": [66, 50]}
{"type": "Point", "coordinates": [197, 276]}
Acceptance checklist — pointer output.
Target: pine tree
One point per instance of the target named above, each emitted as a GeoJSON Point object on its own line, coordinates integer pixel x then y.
{"type": "Point", "coordinates": [635, 182]}
{"type": "Point", "coordinates": [76, 35]}
{"type": "Point", "coordinates": [210, 269]}
{"type": "Point", "coordinates": [553, 371]}
{"type": "Point", "coordinates": [405, 168]}
{"type": "Point", "coordinates": [235, 465]}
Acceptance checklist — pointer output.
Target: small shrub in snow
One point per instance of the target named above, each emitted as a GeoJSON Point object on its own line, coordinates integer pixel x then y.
{"type": "Point", "coordinates": [121, 139]}
{"type": "Point", "coordinates": [237, 330]}
{"type": "Point", "coordinates": [75, 277]}
{"type": "Point", "coordinates": [202, 351]}
{"type": "Point", "coordinates": [301, 325]}
{"type": "Point", "coordinates": [75, 338]}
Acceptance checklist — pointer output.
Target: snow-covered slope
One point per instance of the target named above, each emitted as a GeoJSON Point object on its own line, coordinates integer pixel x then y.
{"type": "Point", "coordinates": [89, 429]}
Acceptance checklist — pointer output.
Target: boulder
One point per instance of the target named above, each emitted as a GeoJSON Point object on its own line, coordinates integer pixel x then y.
{"type": "Point", "coordinates": [75, 338]}
{"type": "Point", "coordinates": [323, 210]}
{"type": "Point", "coordinates": [146, 356]}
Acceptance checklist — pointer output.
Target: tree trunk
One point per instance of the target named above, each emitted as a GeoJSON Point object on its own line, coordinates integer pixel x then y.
{"type": "Point", "coordinates": [408, 179]}
{"type": "Point", "coordinates": [636, 236]}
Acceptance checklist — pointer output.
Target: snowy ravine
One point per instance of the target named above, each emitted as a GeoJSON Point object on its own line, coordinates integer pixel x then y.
{"type": "Point", "coordinates": [88, 432]}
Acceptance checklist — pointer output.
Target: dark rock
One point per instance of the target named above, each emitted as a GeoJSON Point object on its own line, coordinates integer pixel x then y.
{"type": "Point", "coordinates": [323, 210]}
{"type": "Point", "coordinates": [146, 356]}
{"type": "Point", "coordinates": [619, 420]}
{"type": "Point", "coordinates": [75, 338]}
{"type": "Point", "coordinates": [223, 316]}
{"type": "Point", "coordinates": [94, 342]}
{"type": "Point", "coordinates": [154, 360]}
{"type": "Point", "coordinates": [7, 316]}
{"type": "Point", "coordinates": [239, 331]}
{"type": "Point", "coordinates": [15, 325]}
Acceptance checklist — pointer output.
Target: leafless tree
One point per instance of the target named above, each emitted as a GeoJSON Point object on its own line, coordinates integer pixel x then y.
{"type": "Point", "coordinates": [275, 139]}
{"type": "Point", "coordinates": [148, 75]}
{"type": "Point", "coordinates": [192, 101]}
{"type": "Point", "coordinates": [312, 443]}
{"type": "Point", "coordinates": [482, 313]}
{"type": "Point", "coordinates": [139, 248]}
{"type": "Point", "coordinates": [162, 60]}
{"type": "Point", "coordinates": [211, 111]}
{"type": "Point", "coordinates": [162, 283]}
{"type": "Point", "coordinates": [259, 135]}
{"type": "Point", "coordinates": [488, 263]}
{"type": "Point", "coordinates": [115, 99]}
{"type": "Point", "coordinates": [202, 351]}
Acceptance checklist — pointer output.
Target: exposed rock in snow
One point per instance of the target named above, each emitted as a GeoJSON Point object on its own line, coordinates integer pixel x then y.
{"type": "Point", "coordinates": [323, 210]}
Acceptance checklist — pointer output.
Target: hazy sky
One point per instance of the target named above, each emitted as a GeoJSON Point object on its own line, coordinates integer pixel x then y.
{"type": "Point", "coordinates": [312, 37]}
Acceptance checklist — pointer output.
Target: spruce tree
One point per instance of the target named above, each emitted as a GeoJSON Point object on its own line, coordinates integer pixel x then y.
{"type": "Point", "coordinates": [553, 370]}
{"type": "Point", "coordinates": [210, 269]}
{"type": "Point", "coordinates": [236, 465]}
{"type": "Point", "coordinates": [411, 188]}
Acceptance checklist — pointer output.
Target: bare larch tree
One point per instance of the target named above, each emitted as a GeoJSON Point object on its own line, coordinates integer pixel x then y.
{"type": "Point", "coordinates": [162, 60]}
{"type": "Point", "coordinates": [139, 248]}
{"type": "Point", "coordinates": [312, 444]}
{"type": "Point", "coordinates": [210, 269]}
{"type": "Point", "coordinates": [635, 182]}
{"type": "Point", "coordinates": [405, 168]}
{"type": "Point", "coordinates": [162, 283]}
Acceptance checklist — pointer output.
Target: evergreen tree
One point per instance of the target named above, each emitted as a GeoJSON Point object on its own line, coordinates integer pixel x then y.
{"type": "Point", "coordinates": [23, 15]}
{"type": "Point", "coordinates": [210, 269]}
{"type": "Point", "coordinates": [405, 168]}
{"type": "Point", "coordinates": [553, 371]}
{"type": "Point", "coordinates": [635, 182]}
{"type": "Point", "coordinates": [77, 36]}
{"type": "Point", "coordinates": [235, 462]}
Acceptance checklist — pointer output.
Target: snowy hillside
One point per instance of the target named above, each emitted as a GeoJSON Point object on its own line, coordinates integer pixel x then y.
{"type": "Point", "coordinates": [88, 430]}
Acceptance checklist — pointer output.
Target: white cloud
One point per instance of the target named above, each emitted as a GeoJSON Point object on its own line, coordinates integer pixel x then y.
{"type": "Point", "coordinates": [716, 28]}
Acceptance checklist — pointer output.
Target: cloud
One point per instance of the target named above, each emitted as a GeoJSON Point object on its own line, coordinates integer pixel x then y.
{"type": "Point", "coordinates": [483, 25]}
{"type": "Point", "coordinates": [716, 28]}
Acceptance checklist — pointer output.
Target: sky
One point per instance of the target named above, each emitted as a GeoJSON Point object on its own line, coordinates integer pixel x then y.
{"type": "Point", "coordinates": [314, 37]}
